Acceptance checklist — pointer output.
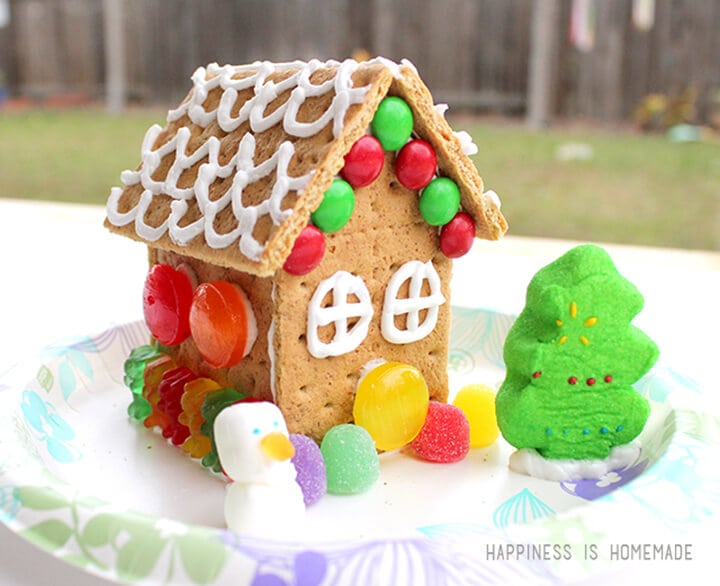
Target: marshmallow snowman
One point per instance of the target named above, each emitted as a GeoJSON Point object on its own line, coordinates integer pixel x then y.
{"type": "Point", "coordinates": [263, 499]}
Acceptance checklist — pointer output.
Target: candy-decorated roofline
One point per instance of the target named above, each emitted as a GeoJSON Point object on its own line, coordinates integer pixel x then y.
{"type": "Point", "coordinates": [246, 158]}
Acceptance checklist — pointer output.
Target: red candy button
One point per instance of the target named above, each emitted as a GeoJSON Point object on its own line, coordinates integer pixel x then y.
{"type": "Point", "coordinates": [456, 237]}
{"type": "Point", "coordinates": [415, 164]}
{"type": "Point", "coordinates": [363, 162]}
{"type": "Point", "coordinates": [222, 323]}
{"type": "Point", "coordinates": [166, 303]}
{"type": "Point", "coordinates": [307, 252]}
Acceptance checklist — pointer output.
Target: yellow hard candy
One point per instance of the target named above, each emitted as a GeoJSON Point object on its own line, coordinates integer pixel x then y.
{"type": "Point", "coordinates": [478, 403]}
{"type": "Point", "coordinates": [391, 403]}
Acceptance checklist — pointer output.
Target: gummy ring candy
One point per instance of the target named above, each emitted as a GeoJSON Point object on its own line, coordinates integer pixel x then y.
{"type": "Point", "coordinates": [222, 323]}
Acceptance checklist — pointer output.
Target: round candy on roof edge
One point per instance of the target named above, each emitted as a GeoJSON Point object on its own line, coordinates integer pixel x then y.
{"type": "Point", "coordinates": [393, 123]}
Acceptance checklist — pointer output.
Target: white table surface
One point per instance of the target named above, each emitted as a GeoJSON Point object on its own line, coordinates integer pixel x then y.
{"type": "Point", "coordinates": [64, 275]}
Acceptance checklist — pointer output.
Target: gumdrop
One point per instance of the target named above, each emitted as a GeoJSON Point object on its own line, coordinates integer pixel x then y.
{"type": "Point", "coordinates": [351, 459]}
{"type": "Point", "coordinates": [478, 404]}
{"type": "Point", "coordinates": [310, 468]}
{"type": "Point", "coordinates": [445, 437]}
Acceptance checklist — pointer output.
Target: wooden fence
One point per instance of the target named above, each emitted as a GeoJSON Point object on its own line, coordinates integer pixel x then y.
{"type": "Point", "coordinates": [472, 53]}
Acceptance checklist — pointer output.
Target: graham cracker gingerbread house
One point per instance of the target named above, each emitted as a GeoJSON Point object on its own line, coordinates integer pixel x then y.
{"type": "Point", "coordinates": [299, 219]}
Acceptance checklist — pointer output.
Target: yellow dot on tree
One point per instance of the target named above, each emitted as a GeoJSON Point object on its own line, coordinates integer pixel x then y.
{"type": "Point", "coordinates": [478, 403]}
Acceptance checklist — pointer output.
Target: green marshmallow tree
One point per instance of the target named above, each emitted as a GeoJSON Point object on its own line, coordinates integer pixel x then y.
{"type": "Point", "coordinates": [572, 357]}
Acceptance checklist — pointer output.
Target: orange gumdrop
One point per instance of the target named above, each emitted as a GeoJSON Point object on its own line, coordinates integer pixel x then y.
{"type": "Point", "coordinates": [152, 376]}
{"type": "Point", "coordinates": [196, 445]}
{"type": "Point", "coordinates": [222, 323]}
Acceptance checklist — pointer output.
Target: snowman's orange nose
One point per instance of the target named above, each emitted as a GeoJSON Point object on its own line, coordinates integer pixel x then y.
{"type": "Point", "coordinates": [277, 446]}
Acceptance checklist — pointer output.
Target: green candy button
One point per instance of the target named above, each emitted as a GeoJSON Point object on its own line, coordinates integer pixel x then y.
{"type": "Point", "coordinates": [336, 208]}
{"type": "Point", "coordinates": [440, 201]}
{"type": "Point", "coordinates": [392, 124]}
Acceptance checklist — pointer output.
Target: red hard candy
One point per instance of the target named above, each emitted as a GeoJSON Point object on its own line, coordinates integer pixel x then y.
{"type": "Point", "coordinates": [363, 162]}
{"type": "Point", "coordinates": [307, 252]}
{"type": "Point", "coordinates": [415, 164]}
{"type": "Point", "coordinates": [456, 237]}
{"type": "Point", "coordinates": [167, 296]}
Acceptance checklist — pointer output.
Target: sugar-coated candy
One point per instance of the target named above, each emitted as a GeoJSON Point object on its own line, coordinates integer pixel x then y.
{"type": "Point", "coordinates": [391, 403]}
{"type": "Point", "coordinates": [307, 252]}
{"type": "Point", "coordinates": [351, 459]}
{"type": "Point", "coordinates": [170, 392]}
{"type": "Point", "coordinates": [439, 201]}
{"type": "Point", "coordinates": [166, 304]}
{"type": "Point", "coordinates": [445, 437]}
{"type": "Point", "coordinates": [336, 207]}
{"type": "Point", "coordinates": [456, 237]}
{"type": "Point", "coordinates": [222, 323]}
{"type": "Point", "coordinates": [478, 403]}
{"type": "Point", "coordinates": [152, 376]}
{"type": "Point", "coordinates": [392, 124]}
{"type": "Point", "coordinates": [415, 164]}
{"type": "Point", "coordinates": [364, 161]}
{"type": "Point", "coordinates": [196, 445]}
{"type": "Point", "coordinates": [214, 403]}
{"type": "Point", "coordinates": [310, 467]}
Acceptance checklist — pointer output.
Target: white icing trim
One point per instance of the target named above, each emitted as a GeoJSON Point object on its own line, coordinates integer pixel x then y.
{"type": "Point", "coordinates": [241, 166]}
{"type": "Point", "coordinates": [417, 272]}
{"type": "Point", "coordinates": [493, 197]}
{"type": "Point", "coordinates": [528, 461]}
{"type": "Point", "coordinates": [342, 284]}
{"type": "Point", "coordinates": [271, 348]}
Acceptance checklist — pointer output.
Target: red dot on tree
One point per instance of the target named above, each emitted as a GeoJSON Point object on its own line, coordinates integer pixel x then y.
{"type": "Point", "coordinates": [572, 380]}
{"type": "Point", "coordinates": [590, 381]}
{"type": "Point", "coordinates": [456, 237]}
{"type": "Point", "coordinates": [608, 378]}
{"type": "Point", "coordinates": [307, 252]}
{"type": "Point", "coordinates": [537, 374]}
{"type": "Point", "coordinates": [364, 161]}
{"type": "Point", "coordinates": [415, 164]}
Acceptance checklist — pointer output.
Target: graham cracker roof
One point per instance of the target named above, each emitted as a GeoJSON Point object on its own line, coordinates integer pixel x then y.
{"type": "Point", "coordinates": [246, 158]}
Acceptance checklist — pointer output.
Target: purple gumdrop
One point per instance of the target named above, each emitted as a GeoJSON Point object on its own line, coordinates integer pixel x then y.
{"type": "Point", "coordinates": [310, 468]}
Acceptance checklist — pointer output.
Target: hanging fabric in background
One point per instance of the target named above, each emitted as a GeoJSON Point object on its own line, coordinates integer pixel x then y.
{"type": "Point", "coordinates": [4, 13]}
{"type": "Point", "coordinates": [643, 14]}
{"type": "Point", "coordinates": [582, 24]}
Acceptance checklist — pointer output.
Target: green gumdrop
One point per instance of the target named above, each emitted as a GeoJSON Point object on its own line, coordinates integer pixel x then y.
{"type": "Point", "coordinates": [351, 460]}
{"type": "Point", "coordinates": [139, 409]}
{"type": "Point", "coordinates": [392, 124]}
{"type": "Point", "coordinates": [336, 208]}
{"type": "Point", "coordinates": [214, 403]}
{"type": "Point", "coordinates": [439, 201]}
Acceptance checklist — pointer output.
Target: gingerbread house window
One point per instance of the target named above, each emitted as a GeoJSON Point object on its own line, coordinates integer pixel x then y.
{"type": "Point", "coordinates": [410, 312]}
{"type": "Point", "coordinates": [342, 304]}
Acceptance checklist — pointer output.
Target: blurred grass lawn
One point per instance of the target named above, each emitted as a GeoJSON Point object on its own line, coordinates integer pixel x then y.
{"type": "Point", "coordinates": [636, 189]}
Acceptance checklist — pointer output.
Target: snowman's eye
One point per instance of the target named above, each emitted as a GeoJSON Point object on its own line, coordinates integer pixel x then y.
{"type": "Point", "coordinates": [276, 423]}
{"type": "Point", "coordinates": [256, 431]}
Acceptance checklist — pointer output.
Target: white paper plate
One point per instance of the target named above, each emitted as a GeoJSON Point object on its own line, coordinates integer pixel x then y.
{"type": "Point", "coordinates": [90, 487]}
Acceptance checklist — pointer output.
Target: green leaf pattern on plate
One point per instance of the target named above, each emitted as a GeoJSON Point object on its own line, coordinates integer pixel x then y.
{"type": "Point", "coordinates": [141, 546]}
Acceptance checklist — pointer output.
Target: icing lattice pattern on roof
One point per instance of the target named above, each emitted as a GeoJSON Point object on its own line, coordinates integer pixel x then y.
{"type": "Point", "coordinates": [231, 80]}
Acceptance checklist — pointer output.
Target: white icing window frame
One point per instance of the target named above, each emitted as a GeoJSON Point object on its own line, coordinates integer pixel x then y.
{"type": "Point", "coordinates": [417, 272]}
{"type": "Point", "coordinates": [342, 284]}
